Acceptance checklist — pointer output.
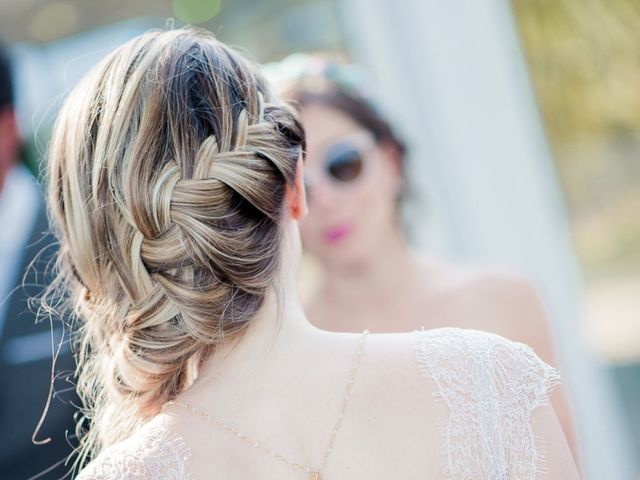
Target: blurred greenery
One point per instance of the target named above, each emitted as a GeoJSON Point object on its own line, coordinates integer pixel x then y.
{"type": "Point", "coordinates": [196, 11]}
{"type": "Point", "coordinates": [584, 59]}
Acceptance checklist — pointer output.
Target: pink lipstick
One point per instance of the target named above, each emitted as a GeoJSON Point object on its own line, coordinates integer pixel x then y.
{"type": "Point", "coordinates": [337, 234]}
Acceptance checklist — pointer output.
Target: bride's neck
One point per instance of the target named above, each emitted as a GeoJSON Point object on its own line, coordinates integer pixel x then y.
{"type": "Point", "coordinates": [276, 335]}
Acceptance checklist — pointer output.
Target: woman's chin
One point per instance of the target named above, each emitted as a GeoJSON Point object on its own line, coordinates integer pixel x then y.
{"type": "Point", "coordinates": [344, 256]}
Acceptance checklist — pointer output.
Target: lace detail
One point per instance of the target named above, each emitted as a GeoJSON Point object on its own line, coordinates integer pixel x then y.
{"type": "Point", "coordinates": [152, 454]}
{"type": "Point", "coordinates": [491, 387]}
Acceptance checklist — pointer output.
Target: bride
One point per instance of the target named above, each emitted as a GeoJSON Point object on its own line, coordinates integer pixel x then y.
{"type": "Point", "coordinates": [175, 187]}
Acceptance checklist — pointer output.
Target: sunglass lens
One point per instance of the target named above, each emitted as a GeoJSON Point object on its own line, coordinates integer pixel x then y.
{"type": "Point", "coordinates": [345, 165]}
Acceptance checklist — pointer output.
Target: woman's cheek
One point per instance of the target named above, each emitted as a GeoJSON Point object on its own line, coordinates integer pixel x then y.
{"type": "Point", "coordinates": [311, 236]}
{"type": "Point", "coordinates": [306, 235]}
{"type": "Point", "coordinates": [368, 202]}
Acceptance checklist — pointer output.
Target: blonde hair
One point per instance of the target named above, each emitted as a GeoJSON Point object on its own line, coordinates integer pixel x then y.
{"type": "Point", "coordinates": [167, 175]}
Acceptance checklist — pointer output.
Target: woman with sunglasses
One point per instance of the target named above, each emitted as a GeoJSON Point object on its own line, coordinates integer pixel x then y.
{"type": "Point", "coordinates": [370, 276]}
{"type": "Point", "coordinates": [176, 188]}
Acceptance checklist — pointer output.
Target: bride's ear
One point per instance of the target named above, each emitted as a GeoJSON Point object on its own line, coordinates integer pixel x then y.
{"type": "Point", "coordinates": [296, 197]}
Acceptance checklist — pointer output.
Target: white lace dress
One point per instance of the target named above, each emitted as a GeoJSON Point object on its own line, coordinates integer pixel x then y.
{"type": "Point", "coordinates": [490, 385]}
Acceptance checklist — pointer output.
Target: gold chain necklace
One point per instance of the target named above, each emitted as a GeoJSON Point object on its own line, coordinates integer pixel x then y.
{"type": "Point", "coordinates": [314, 473]}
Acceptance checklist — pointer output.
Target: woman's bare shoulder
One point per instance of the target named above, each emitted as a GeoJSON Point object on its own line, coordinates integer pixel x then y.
{"type": "Point", "coordinates": [487, 278]}
{"type": "Point", "coordinates": [494, 298]}
{"type": "Point", "coordinates": [152, 452]}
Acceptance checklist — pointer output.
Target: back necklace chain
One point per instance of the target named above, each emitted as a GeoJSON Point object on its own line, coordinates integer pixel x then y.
{"type": "Point", "coordinates": [313, 472]}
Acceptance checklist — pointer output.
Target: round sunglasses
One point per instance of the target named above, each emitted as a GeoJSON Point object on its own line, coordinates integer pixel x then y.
{"type": "Point", "coordinates": [344, 160]}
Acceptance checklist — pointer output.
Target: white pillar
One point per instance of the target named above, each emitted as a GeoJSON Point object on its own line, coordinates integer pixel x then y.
{"type": "Point", "coordinates": [452, 75]}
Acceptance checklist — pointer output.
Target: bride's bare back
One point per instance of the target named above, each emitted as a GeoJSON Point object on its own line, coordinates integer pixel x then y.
{"type": "Point", "coordinates": [438, 404]}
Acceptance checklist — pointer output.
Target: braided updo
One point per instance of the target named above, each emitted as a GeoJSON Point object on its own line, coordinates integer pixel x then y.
{"type": "Point", "coordinates": [168, 168]}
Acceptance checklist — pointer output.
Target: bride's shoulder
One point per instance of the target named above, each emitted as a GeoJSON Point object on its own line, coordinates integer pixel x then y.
{"type": "Point", "coordinates": [482, 387]}
{"type": "Point", "coordinates": [150, 453]}
{"type": "Point", "coordinates": [458, 361]}
{"type": "Point", "coordinates": [481, 355]}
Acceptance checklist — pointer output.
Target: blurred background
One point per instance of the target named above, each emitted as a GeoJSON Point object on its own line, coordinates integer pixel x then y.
{"type": "Point", "coordinates": [523, 121]}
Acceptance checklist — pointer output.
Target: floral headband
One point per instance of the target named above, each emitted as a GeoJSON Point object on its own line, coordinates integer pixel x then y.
{"type": "Point", "coordinates": [317, 73]}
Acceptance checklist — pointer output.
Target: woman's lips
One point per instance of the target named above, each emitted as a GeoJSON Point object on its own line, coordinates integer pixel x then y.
{"type": "Point", "coordinates": [337, 234]}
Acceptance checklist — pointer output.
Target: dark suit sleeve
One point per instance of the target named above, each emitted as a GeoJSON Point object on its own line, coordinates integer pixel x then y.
{"type": "Point", "coordinates": [26, 371]}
